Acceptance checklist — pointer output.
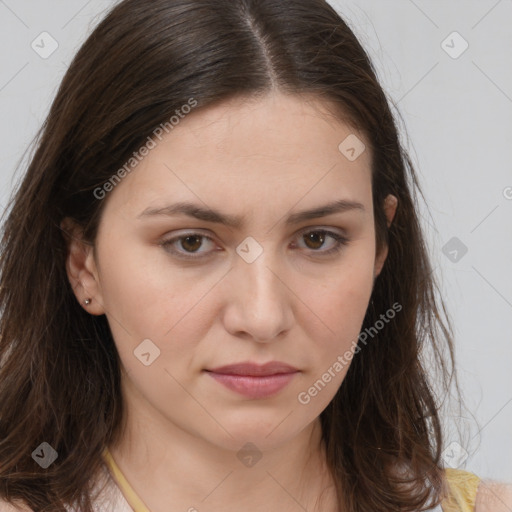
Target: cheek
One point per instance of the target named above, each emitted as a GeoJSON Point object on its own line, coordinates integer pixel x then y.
{"type": "Point", "coordinates": [341, 307]}
{"type": "Point", "coordinates": [138, 288]}
{"type": "Point", "coordinates": [343, 300]}
{"type": "Point", "coordinates": [145, 298]}
{"type": "Point", "coordinates": [338, 307]}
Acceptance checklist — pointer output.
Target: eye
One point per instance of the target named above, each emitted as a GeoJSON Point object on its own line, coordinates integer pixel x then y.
{"type": "Point", "coordinates": [187, 245]}
{"type": "Point", "coordinates": [317, 238]}
{"type": "Point", "coordinates": [189, 242]}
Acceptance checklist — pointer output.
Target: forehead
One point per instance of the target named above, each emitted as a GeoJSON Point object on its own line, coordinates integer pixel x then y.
{"type": "Point", "coordinates": [275, 124]}
{"type": "Point", "coordinates": [269, 149]}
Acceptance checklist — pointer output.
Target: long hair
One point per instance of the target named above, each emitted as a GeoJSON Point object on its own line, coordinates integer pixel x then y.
{"type": "Point", "coordinates": [59, 367]}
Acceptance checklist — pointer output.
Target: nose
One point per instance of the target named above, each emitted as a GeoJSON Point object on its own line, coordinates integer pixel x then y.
{"type": "Point", "coordinates": [259, 303]}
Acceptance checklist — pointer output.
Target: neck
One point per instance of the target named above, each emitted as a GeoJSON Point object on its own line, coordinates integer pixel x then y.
{"type": "Point", "coordinates": [166, 464]}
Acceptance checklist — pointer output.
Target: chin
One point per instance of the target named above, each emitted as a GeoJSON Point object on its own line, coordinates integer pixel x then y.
{"type": "Point", "coordinates": [265, 434]}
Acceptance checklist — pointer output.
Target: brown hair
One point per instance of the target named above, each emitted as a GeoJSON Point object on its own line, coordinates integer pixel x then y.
{"type": "Point", "coordinates": [60, 371]}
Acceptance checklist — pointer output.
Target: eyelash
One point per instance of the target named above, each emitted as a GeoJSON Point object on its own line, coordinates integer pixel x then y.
{"type": "Point", "coordinates": [341, 241]}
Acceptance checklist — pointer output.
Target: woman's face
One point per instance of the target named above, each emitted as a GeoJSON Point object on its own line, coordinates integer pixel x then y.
{"type": "Point", "coordinates": [188, 293]}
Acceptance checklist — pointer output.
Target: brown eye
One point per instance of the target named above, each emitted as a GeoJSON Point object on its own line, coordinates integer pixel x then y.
{"type": "Point", "coordinates": [187, 246]}
{"type": "Point", "coordinates": [190, 243]}
{"type": "Point", "coordinates": [315, 240]}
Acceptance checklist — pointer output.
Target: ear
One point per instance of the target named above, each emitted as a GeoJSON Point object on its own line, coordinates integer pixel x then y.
{"type": "Point", "coordinates": [81, 268]}
{"type": "Point", "coordinates": [390, 205]}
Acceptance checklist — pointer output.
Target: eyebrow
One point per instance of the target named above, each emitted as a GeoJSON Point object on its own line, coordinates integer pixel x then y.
{"type": "Point", "coordinates": [209, 215]}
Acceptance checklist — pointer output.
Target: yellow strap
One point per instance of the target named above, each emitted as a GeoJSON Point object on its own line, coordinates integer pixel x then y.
{"type": "Point", "coordinates": [130, 495]}
{"type": "Point", "coordinates": [463, 488]}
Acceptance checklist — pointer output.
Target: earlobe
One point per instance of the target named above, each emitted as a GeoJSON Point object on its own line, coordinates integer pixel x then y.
{"type": "Point", "coordinates": [81, 268]}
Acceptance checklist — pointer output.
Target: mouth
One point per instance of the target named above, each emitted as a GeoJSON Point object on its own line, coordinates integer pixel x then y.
{"type": "Point", "coordinates": [255, 370]}
{"type": "Point", "coordinates": [254, 381]}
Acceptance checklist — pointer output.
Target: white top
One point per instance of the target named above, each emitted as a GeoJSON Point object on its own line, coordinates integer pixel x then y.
{"type": "Point", "coordinates": [108, 498]}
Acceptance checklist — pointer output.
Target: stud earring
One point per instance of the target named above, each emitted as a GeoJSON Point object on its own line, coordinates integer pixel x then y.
{"type": "Point", "coordinates": [87, 302]}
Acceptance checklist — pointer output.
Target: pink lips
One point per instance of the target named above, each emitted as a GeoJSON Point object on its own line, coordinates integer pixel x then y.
{"type": "Point", "coordinates": [255, 381]}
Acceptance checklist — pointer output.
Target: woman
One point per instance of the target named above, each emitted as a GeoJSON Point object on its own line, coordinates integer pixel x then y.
{"type": "Point", "coordinates": [227, 288]}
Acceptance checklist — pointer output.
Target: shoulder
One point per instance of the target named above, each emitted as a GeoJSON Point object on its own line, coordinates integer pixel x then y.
{"type": "Point", "coordinates": [18, 507]}
{"type": "Point", "coordinates": [493, 497]}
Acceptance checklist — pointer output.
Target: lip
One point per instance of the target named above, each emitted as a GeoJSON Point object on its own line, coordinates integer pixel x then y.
{"type": "Point", "coordinates": [255, 370]}
{"type": "Point", "coordinates": [253, 380]}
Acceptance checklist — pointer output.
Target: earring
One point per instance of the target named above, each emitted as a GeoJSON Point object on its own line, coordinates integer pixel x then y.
{"type": "Point", "coordinates": [87, 302]}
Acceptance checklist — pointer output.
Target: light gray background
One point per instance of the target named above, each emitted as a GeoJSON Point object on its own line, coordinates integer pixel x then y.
{"type": "Point", "coordinates": [458, 121]}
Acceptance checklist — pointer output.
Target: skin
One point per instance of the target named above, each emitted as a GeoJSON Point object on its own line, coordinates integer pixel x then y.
{"type": "Point", "coordinates": [263, 159]}
{"type": "Point", "coordinates": [494, 497]}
